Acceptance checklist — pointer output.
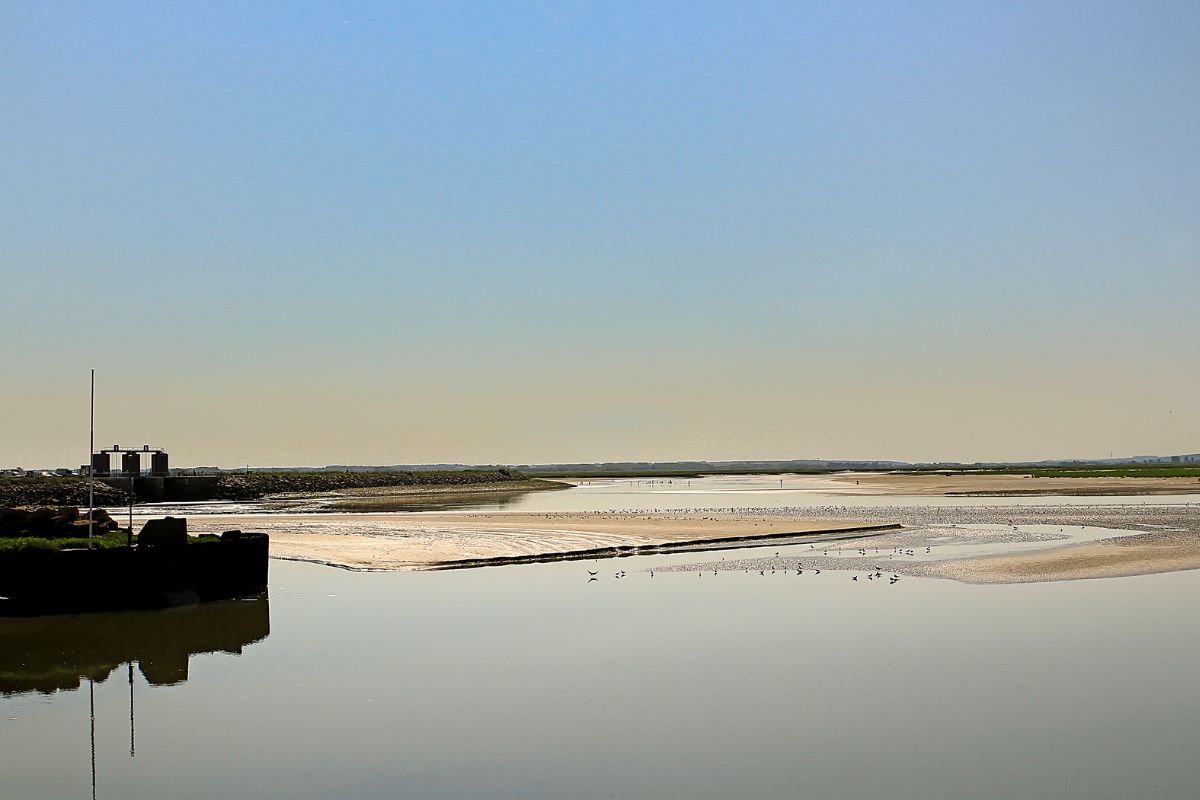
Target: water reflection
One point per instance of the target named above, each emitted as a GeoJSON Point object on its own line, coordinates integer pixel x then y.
{"type": "Point", "coordinates": [490, 501]}
{"type": "Point", "coordinates": [51, 654]}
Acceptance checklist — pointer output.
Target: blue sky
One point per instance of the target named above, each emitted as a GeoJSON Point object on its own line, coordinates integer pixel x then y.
{"type": "Point", "coordinates": [294, 233]}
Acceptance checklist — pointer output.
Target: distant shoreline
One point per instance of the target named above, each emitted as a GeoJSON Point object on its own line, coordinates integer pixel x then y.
{"type": "Point", "coordinates": [964, 484]}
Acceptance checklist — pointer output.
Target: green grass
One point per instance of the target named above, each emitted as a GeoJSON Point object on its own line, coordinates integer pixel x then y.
{"type": "Point", "coordinates": [106, 541]}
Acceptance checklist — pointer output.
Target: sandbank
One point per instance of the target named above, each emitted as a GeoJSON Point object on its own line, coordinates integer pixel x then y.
{"type": "Point", "coordinates": [1139, 554]}
{"type": "Point", "coordinates": [439, 540]}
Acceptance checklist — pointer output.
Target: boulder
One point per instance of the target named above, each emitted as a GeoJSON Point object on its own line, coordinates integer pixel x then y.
{"type": "Point", "coordinates": [169, 533]}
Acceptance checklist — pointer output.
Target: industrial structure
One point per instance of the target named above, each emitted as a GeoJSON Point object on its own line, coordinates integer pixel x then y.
{"type": "Point", "coordinates": [131, 462]}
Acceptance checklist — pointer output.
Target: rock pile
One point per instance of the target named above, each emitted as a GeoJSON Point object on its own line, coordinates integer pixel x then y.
{"type": "Point", "coordinates": [234, 486]}
{"type": "Point", "coordinates": [61, 522]}
{"type": "Point", "coordinates": [56, 492]}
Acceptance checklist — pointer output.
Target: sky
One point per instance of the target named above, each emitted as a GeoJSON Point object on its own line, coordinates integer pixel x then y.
{"type": "Point", "coordinates": [373, 233]}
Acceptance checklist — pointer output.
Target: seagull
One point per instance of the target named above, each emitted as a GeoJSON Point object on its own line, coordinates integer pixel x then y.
{"type": "Point", "coordinates": [589, 572]}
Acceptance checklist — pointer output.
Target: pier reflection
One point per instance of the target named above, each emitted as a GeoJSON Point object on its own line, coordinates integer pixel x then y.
{"type": "Point", "coordinates": [56, 653]}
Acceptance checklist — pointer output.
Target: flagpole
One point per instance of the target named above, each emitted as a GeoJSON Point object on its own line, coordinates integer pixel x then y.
{"type": "Point", "coordinates": [91, 462]}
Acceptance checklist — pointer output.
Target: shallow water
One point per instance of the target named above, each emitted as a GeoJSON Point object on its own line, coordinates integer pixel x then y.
{"type": "Point", "coordinates": [530, 681]}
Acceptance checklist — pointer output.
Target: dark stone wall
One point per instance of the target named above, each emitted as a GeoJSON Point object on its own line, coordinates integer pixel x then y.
{"type": "Point", "coordinates": [72, 581]}
{"type": "Point", "coordinates": [180, 488]}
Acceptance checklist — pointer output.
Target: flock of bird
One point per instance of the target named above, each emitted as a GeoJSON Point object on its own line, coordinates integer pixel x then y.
{"type": "Point", "coordinates": [876, 572]}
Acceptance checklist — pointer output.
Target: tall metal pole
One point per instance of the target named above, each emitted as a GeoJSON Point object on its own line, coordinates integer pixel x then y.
{"type": "Point", "coordinates": [92, 706]}
{"type": "Point", "coordinates": [132, 748]}
{"type": "Point", "coordinates": [91, 462]}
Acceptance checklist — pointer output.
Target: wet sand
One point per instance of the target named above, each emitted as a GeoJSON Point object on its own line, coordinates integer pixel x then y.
{"type": "Point", "coordinates": [883, 483]}
{"type": "Point", "coordinates": [1141, 554]}
{"type": "Point", "coordinates": [439, 539]}
{"type": "Point", "coordinates": [934, 541]}
{"type": "Point", "coordinates": [429, 541]}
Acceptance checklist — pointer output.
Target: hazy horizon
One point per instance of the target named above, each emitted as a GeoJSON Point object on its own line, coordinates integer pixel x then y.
{"type": "Point", "coordinates": [560, 233]}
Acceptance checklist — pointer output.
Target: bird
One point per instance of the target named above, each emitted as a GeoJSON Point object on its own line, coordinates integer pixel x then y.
{"type": "Point", "coordinates": [589, 572]}
{"type": "Point", "coordinates": [854, 578]}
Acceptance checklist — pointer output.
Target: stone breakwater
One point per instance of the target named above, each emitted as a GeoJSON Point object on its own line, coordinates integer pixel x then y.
{"type": "Point", "coordinates": [114, 491]}
{"type": "Point", "coordinates": [57, 492]}
{"type": "Point", "coordinates": [254, 485]}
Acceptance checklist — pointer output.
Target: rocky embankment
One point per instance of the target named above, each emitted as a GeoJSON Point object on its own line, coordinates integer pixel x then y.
{"type": "Point", "coordinates": [65, 522]}
{"type": "Point", "coordinates": [255, 485]}
{"type": "Point", "coordinates": [56, 492]}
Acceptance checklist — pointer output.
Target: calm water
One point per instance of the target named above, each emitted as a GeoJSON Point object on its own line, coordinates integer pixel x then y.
{"type": "Point", "coordinates": [530, 682]}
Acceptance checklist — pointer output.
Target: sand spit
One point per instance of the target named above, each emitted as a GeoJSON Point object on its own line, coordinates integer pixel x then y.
{"type": "Point", "coordinates": [456, 540]}
{"type": "Point", "coordinates": [687, 546]}
{"type": "Point", "coordinates": [1010, 485]}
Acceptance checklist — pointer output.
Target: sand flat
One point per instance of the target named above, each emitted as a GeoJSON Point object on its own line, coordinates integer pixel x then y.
{"type": "Point", "coordinates": [427, 540]}
{"type": "Point", "coordinates": [1140, 554]}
